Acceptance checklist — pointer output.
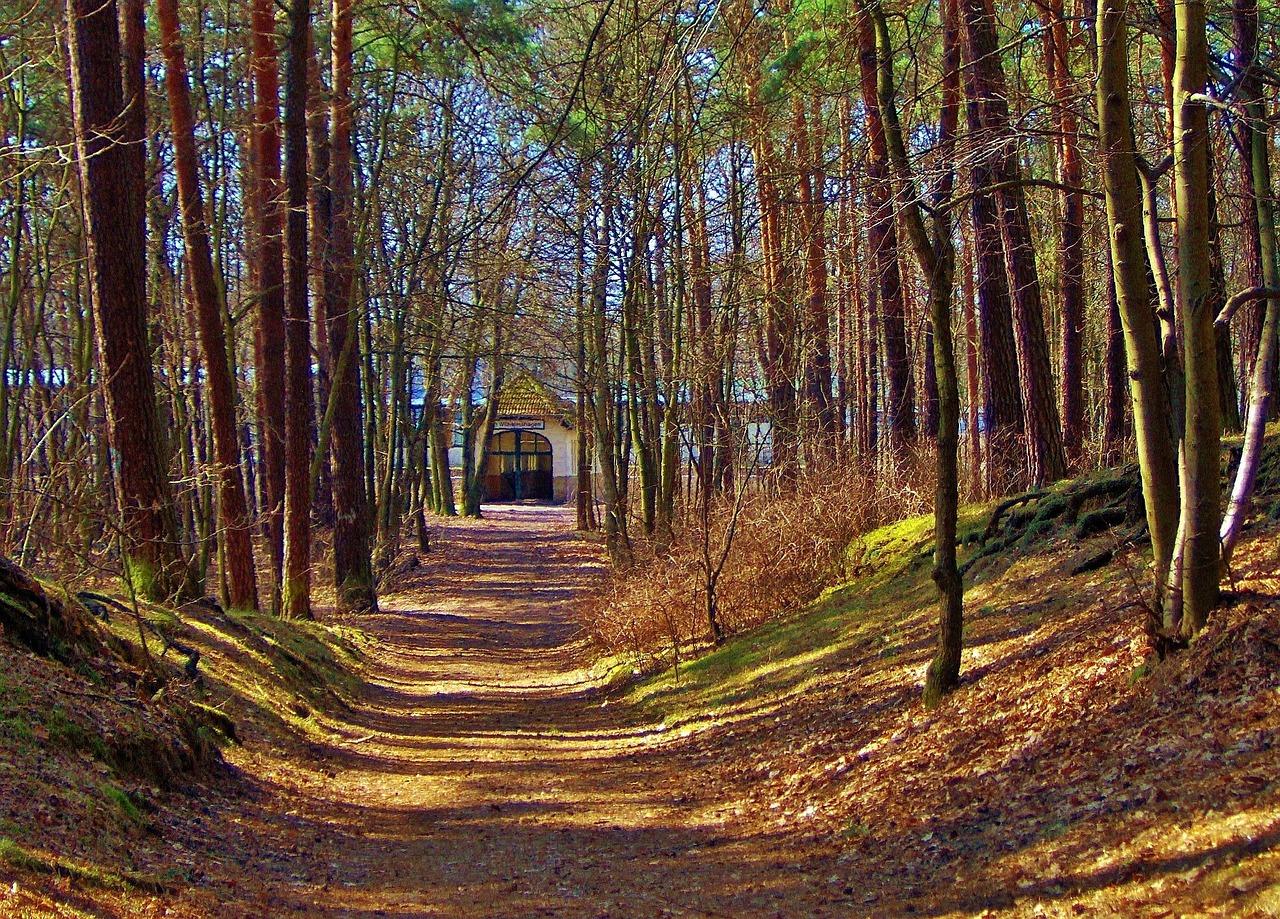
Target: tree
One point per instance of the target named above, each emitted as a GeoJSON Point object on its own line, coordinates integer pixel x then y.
{"type": "Point", "coordinates": [299, 407]}
{"type": "Point", "coordinates": [352, 560]}
{"type": "Point", "coordinates": [1046, 461]}
{"type": "Point", "coordinates": [108, 146]}
{"type": "Point", "coordinates": [267, 269]}
{"type": "Point", "coordinates": [1157, 460]}
{"type": "Point", "coordinates": [233, 516]}
{"type": "Point", "coordinates": [935, 252]}
{"type": "Point", "coordinates": [1201, 477]}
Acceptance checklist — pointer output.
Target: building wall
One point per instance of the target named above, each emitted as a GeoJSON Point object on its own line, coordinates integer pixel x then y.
{"type": "Point", "coordinates": [564, 456]}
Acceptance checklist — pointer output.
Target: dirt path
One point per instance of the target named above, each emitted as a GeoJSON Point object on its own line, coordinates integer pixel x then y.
{"type": "Point", "coordinates": [482, 773]}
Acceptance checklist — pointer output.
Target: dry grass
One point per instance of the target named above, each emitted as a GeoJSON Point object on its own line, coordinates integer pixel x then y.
{"type": "Point", "coordinates": [788, 544]}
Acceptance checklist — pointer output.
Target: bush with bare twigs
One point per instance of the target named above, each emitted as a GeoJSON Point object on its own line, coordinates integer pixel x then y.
{"type": "Point", "coordinates": [760, 553]}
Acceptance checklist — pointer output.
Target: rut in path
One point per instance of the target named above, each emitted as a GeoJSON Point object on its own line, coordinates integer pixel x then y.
{"type": "Point", "coordinates": [481, 775]}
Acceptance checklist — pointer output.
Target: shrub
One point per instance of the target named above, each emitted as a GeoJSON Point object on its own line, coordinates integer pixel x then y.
{"type": "Point", "coordinates": [787, 546]}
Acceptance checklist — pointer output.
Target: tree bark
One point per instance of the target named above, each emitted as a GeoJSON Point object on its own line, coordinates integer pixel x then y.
{"type": "Point", "coordinates": [108, 145]}
{"type": "Point", "coordinates": [1201, 485]}
{"type": "Point", "coordinates": [882, 238]}
{"type": "Point", "coordinates": [235, 525]}
{"type": "Point", "coordinates": [268, 259]}
{"type": "Point", "coordinates": [935, 253]}
{"type": "Point", "coordinates": [1264, 365]}
{"type": "Point", "coordinates": [1071, 240]}
{"type": "Point", "coordinates": [1002, 413]}
{"type": "Point", "coordinates": [295, 601]}
{"type": "Point", "coordinates": [352, 563]}
{"type": "Point", "coordinates": [1046, 461]}
{"type": "Point", "coordinates": [817, 364]}
{"type": "Point", "coordinates": [1149, 395]}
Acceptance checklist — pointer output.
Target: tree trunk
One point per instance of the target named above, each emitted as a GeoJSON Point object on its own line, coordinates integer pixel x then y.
{"type": "Point", "coordinates": [1201, 485]}
{"type": "Point", "coordinates": [300, 410]}
{"type": "Point", "coordinates": [108, 145]}
{"type": "Point", "coordinates": [1262, 377]}
{"type": "Point", "coordinates": [604, 427]}
{"type": "Point", "coordinates": [1147, 389]}
{"type": "Point", "coordinates": [268, 271]}
{"type": "Point", "coordinates": [882, 238]}
{"type": "Point", "coordinates": [1071, 240]}
{"type": "Point", "coordinates": [320, 211]}
{"type": "Point", "coordinates": [935, 254]}
{"type": "Point", "coordinates": [1046, 461]}
{"type": "Point", "coordinates": [1001, 397]}
{"type": "Point", "coordinates": [817, 363]}
{"type": "Point", "coordinates": [234, 523]}
{"type": "Point", "coordinates": [352, 567]}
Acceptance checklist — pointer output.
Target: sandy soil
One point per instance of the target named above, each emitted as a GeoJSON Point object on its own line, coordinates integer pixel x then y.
{"type": "Point", "coordinates": [483, 772]}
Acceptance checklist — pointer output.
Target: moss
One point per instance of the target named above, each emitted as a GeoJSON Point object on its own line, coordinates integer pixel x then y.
{"type": "Point", "coordinates": [139, 577]}
{"type": "Point", "coordinates": [123, 803]}
{"type": "Point", "coordinates": [1051, 508]}
{"type": "Point", "coordinates": [221, 727]}
{"type": "Point", "coordinates": [16, 729]}
{"type": "Point", "coordinates": [1038, 531]}
{"type": "Point", "coordinates": [24, 859]}
{"type": "Point", "coordinates": [66, 733]}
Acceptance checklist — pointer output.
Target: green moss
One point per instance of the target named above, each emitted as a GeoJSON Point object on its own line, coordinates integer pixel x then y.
{"type": "Point", "coordinates": [66, 733]}
{"type": "Point", "coordinates": [1038, 530]}
{"type": "Point", "coordinates": [123, 803]}
{"type": "Point", "coordinates": [1051, 507]}
{"type": "Point", "coordinates": [16, 729]}
{"type": "Point", "coordinates": [139, 577]}
{"type": "Point", "coordinates": [24, 859]}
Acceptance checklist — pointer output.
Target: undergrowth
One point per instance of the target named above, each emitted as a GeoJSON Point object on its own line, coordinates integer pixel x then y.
{"type": "Point", "coordinates": [783, 550]}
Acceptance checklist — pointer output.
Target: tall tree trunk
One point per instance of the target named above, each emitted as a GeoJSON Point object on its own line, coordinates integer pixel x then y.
{"type": "Point", "coordinates": [1001, 396]}
{"type": "Point", "coordinates": [817, 364]}
{"type": "Point", "coordinates": [109, 144]}
{"type": "Point", "coordinates": [778, 345]}
{"type": "Point", "coordinates": [1046, 460]}
{"type": "Point", "coordinates": [1114, 419]}
{"type": "Point", "coordinates": [234, 523]}
{"type": "Point", "coordinates": [268, 270]}
{"type": "Point", "coordinates": [1148, 392]}
{"type": "Point", "coordinates": [1228, 394]}
{"type": "Point", "coordinates": [320, 211]}
{"type": "Point", "coordinates": [583, 497]}
{"type": "Point", "coordinates": [352, 563]}
{"type": "Point", "coordinates": [935, 254]}
{"type": "Point", "coordinates": [300, 410]}
{"type": "Point", "coordinates": [1071, 240]}
{"type": "Point", "coordinates": [604, 399]}
{"type": "Point", "coordinates": [480, 432]}
{"type": "Point", "coordinates": [882, 237]}
{"type": "Point", "coordinates": [1201, 485]}
{"type": "Point", "coordinates": [973, 381]}
{"type": "Point", "coordinates": [1265, 361]}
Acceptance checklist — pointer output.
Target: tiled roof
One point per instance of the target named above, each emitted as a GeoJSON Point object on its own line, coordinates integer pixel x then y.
{"type": "Point", "coordinates": [526, 396]}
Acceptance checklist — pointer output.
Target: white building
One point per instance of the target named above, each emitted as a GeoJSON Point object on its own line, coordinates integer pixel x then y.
{"type": "Point", "coordinates": [534, 452]}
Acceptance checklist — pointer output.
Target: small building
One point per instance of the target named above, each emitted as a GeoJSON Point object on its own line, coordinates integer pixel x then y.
{"type": "Point", "coordinates": [534, 452]}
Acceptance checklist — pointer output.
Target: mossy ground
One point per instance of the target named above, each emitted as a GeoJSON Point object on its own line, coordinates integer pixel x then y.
{"type": "Point", "coordinates": [99, 762]}
{"type": "Point", "coordinates": [452, 755]}
{"type": "Point", "coordinates": [1069, 774]}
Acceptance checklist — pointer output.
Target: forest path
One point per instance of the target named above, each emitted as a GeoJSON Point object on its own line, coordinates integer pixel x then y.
{"type": "Point", "coordinates": [482, 773]}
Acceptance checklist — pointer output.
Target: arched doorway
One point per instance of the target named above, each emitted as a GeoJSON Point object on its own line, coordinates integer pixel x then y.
{"type": "Point", "coordinates": [519, 467]}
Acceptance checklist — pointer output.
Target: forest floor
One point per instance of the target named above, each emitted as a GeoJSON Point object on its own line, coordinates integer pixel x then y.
{"type": "Point", "coordinates": [482, 767]}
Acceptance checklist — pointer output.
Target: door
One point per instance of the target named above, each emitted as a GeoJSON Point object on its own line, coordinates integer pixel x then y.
{"type": "Point", "coordinates": [519, 467]}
